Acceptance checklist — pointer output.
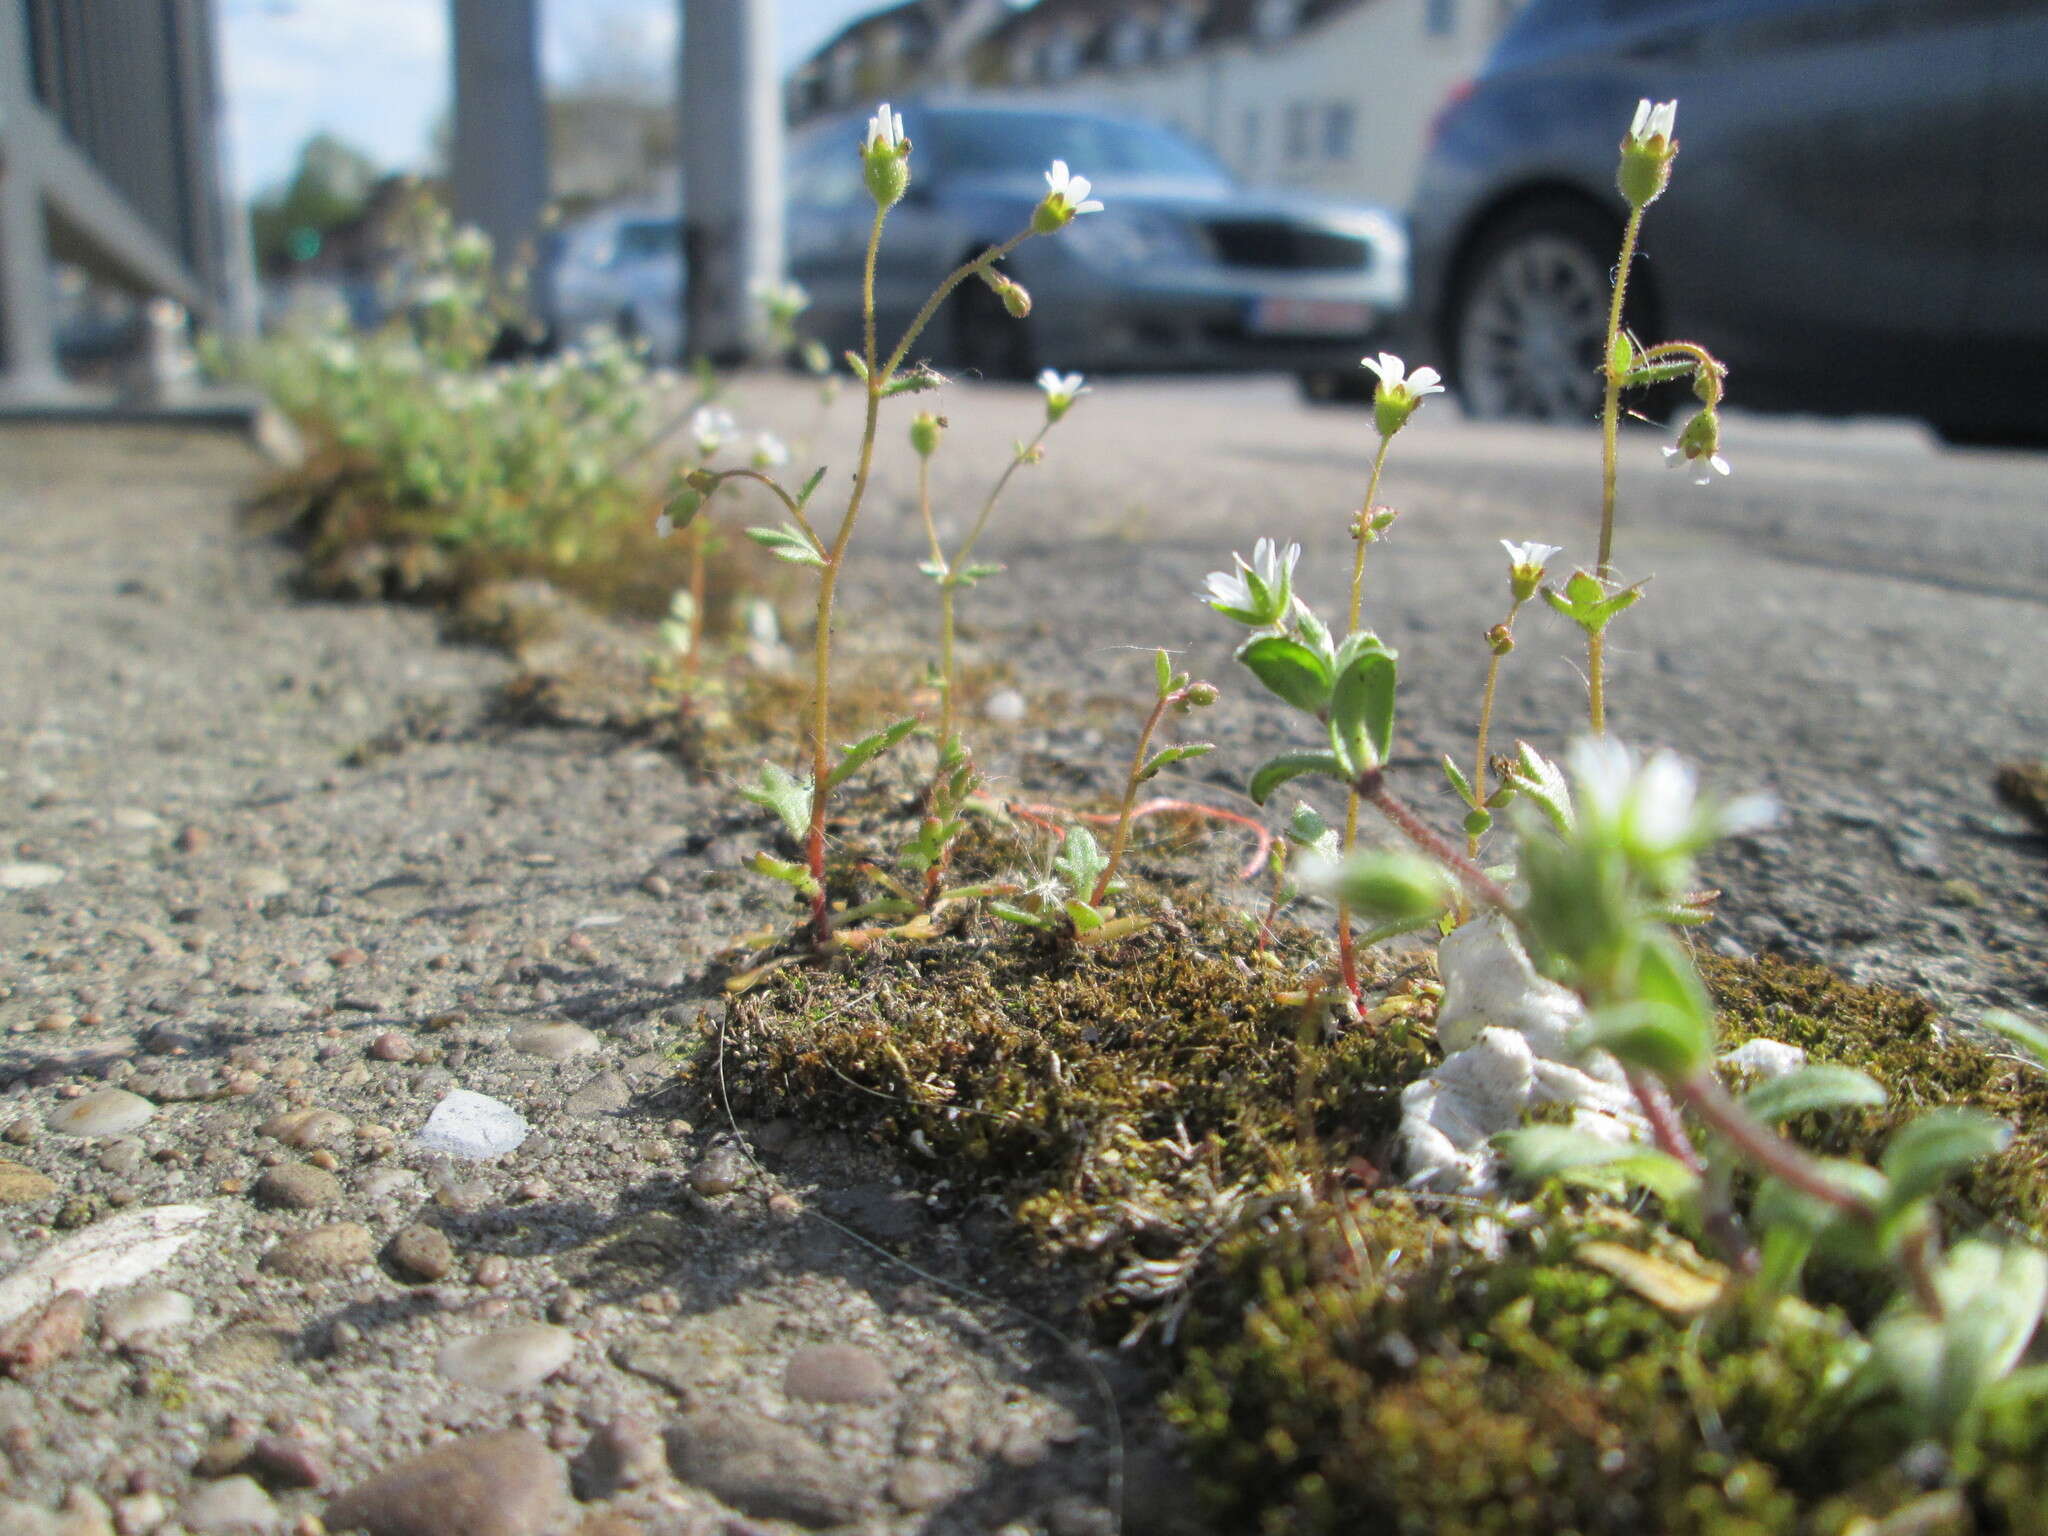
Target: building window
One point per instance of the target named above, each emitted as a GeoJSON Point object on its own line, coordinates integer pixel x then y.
{"type": "Point", "coordinates": [1338, 124]}
{"type": "Point", "coordinates": [1275, 18]}
{"type": "Point", "coordinates": [1440, 17]}
{"type": "Point", "coordinates": [1127, 42]}
{"type": "Point", "coordinates": [1299, 144]}
{"type": "Point", "coordinates": [1177, 31]}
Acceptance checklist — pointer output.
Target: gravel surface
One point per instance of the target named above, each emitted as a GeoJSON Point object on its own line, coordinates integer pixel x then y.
{"type": "Point", "coordinates": [344, 1172]}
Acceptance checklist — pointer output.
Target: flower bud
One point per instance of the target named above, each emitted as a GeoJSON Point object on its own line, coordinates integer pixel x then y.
{"type": "Point", "coordinates": [925, 429]}
{"type": "Point", "coordinates": [1016, 298]}
{"type": "Point", "coordinates": [1500, 639]}
{"type": "Point", "coordinates": [1647, 153]}
{"type": "Point", "coordinates": [1201, 695]}
{"type": "Point", "coordinates": [885, 158]}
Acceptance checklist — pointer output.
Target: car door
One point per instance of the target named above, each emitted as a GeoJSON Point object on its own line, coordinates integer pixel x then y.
{"type": "Point", "coordinates": [1828, 187]}
{"type": "Point", "coordinates": [2010, 300]}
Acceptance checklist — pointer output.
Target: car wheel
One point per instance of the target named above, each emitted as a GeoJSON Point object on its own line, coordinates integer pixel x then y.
{"type": "Point", "coordinates": [1529, 319]}
{"type": "Point", "coordinates": [987, 342]}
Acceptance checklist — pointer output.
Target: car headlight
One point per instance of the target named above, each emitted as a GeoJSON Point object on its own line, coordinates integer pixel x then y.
{"type": "Point", "coordinates": [1126, 237]}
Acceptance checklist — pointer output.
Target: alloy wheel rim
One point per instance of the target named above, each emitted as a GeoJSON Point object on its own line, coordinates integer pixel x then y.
{"type": "Point", "coordinates": [1532, 332]}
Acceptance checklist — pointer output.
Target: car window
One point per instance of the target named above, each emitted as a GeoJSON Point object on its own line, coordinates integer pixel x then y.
{"type": "Point", "coordinates": [823, 172]}
{"type": "Point", "coordinates": [971, 143]}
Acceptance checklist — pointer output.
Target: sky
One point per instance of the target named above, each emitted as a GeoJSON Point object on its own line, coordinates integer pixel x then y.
{"type": "Point", "coordinates": [375, 72]}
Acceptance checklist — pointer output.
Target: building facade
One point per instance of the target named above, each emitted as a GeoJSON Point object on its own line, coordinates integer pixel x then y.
{"type": "Point", "coordinates": [1333, 96]}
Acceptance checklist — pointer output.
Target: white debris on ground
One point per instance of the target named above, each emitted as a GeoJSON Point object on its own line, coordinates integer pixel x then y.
{"type": "Point", "coordinates": [1507, 1031]}
{"type": "Point", "coordinates": [472, 1125]}
{"type": "Point", "coordinates": [111, 1253]}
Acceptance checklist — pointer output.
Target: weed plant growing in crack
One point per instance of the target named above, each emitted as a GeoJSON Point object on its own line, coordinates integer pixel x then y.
{"type": "Point", "coordinates": [1600, 867]}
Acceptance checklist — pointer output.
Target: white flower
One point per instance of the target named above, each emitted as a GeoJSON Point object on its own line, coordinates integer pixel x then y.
{"type": "Point", "coordinates": [1651, 806]}
{"type": "Point", "coordinates": [1394, 376]}
{"type": "Point", "coordinates": [1678, 458]}
{"type": "Point", "coordinates": [885, 131]}
{"type": "Point", "coordinates": [1061, 391]}
{"type": "Point", "coordinates": [1258, 593]}
{"type": "Point", "coordinates": [769, 451]}
{"type": "Point", "coordinates": [1531, 553]}
{"type": "Point", "coordinates": [664, 525]}
{"type": "Point", "coordinates": [1070, 190]}
{"type": "Point", "coordinates": [1653, 120]}
{"type": "Point", "coordinates": [711, 426]}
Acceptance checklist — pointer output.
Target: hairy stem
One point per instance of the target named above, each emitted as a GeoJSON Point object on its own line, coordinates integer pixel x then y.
{"type": "Point", "coordinates": [697, 537]}
{"type": "Point", "coordinates": [1486, 723]}
{"type": "Point", "coordinates": [1371, 788]}
{"type": "Point", "coordinates": [1347, 944]}
{"type": "Point", "coordinates": [828, 581]}
{"type": "Point", "coordinates": [1123, 816]}
{"type": "Point", "coordinates": [923, 318]}
{"type": "Point", "coordinates": [1610, 427]}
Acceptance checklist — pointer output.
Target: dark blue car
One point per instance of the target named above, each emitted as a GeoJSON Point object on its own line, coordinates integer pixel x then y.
{"type": "Point", "coordinates": [1182, 269]}
{"type": "Point", "coordinates": [1857, 219]}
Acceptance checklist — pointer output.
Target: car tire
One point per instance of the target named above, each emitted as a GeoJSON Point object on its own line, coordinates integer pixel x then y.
{"type": "Point", "coordinates": [1527, 322]}
{"type": "Point", "coordinates": [987, 342]}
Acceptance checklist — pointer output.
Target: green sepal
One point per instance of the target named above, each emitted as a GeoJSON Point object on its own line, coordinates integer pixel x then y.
{"type": "Point", "coordinates": [1477, 822]}
{"type": "Point", "coordinates": [788, 796]}
{"type": "Point", "coordinates": [683, 507]}
{"type": "Point", "coordinates": [1459, 782]}
{"type": "Point", "coordinates": [1275, 771]}
{"type": "Point", "coordinates": [857, 756]}
{"type": "Point", "coordinates": [1084, 917]}
{"type": "Point", "coordinates": [855, 362]}
{"type": "Point", "coordinates": [1394, 886]}
{"type": "Point", "coordinates": [1290, 670]}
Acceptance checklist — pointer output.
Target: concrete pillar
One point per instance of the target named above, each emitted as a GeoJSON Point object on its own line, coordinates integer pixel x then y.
{"type": "Point", "coordinates": [732, 172]}
{"type": "Point", "coordinates": [28, 351]}
{"type": "Point", "coordinates": [500, 150]}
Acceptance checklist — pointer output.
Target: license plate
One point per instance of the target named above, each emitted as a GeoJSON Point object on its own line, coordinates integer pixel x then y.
{"type": "Point", "coordinates": [1310, 317]}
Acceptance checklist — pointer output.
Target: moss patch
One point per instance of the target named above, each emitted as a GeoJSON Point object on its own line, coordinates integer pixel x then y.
{"type": "Point", "coordinates": [1342, 1356]}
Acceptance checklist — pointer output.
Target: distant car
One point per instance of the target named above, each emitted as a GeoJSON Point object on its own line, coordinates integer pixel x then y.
{"type": "Point", "coordinates": [1184, 269]}
{"type": "Point", "coordinates": [1856, 219]}
{"type": "Point", "coordinates": [622, 269]}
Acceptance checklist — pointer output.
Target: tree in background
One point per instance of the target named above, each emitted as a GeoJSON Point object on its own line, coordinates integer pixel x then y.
{"type": "Point", "coordinates": [329, 188]}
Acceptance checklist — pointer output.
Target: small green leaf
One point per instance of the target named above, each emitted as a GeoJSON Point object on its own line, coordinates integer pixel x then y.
{"type": "Point", "coordinates": [980, 570]}
{"type": "Point", "coordinates": [1992, 1295]}
{"type": "Point", "coordinates": [787, 544]}
{"type": "Point", "coordinates": [1080, 861]}
{"type": "Point", "coordinates": [1638, 1034]}
{"type": "Point", "coordinates": [1290, 670]}
{"type": "Point", "coordinates": [854, 361]}
{"type": "Point", "coordinates": [1393, 887]}
{"type": "Point", "coordinates": [1162, 669]}
{"type": "Point", "coordinates": [1275, 771]}
{"type": "Point", "coordinates": [1818, 1086]}
{"type": "Point", "coordinates": [2030, 1038]}
{"type": "Point", "coordinates": [857, 756]}
{"type": "Point", "coordinates": [1309, 830]}
{"type": "Point", "coordinates": [1544, 784]}
{"type": "Point", "coordinates": [781, 869]}
{"type": "Point", "coordinates": [1540, 1152]}
{"type": "Point", "coordinates": [1018, 915]}
{"type": "Point", "coordinates": [1621, 354]}
{"type": "Point", "coordinates": [1362, 705]}
{"type": "Point", "coordinates": [1084, 917]}
{"type": "Point", "coordinates": [933, 569]}
{"type": "Point", "coordinates": [1922, 1156]}
{"type": "Point", "coordinates": [1459, 782]}
{"type": "Point", "coordinates": [1665, 978]}
{"type": "Point", "coordinates": [788, 796]}
{"type": "Point", "coordinates": [803, 497]}
{"type": "Point", "coordinates": [1476, 822]}
{"type": "Point", "coordinates": [1174, 754]}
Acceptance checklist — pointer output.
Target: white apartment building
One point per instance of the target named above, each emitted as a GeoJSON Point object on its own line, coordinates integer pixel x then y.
{"type": "Point", "coordinates": [1334, 96]}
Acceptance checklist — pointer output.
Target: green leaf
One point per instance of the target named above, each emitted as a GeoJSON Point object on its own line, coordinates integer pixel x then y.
{"type": "Point", "coordinates": [787, 544]}
{"type": "Point", "coordinates": [1080, 861]}
{"type": "Point", "coordinates": [1174, 754]}
{"type": "Point", "coordinates": [1362, 705]}
{"type": "Point", "coordinates": [1394, 886]}
{"type": "Point", "coordinates": [2030, 1038]}
{"type": "Point", "coordinates": [970, 574]}
{"type": "Point", "coordinates": [788, 796]}
{"type": "Point", "coordinates": [1543, 783]}
{"type": "Point", "coordinates": [1275, 771]}
{"type": "Point", "coordinates": [857, 756]}
{"type": "Point", "coordinates": [1085, 918]}
{"type": "Point", "coordinates": [1814, 1087]}
{"type": "Point", "coordinates": [781, 869]}
{"type": "Point", "coordinates": [1162, 669]}
{"type": "Point", "coordinates": [1992, 1295]}
{"type": "Point", "coordinates": [933, 569]}
{"type": "Point", "coordinates": [1018, 915]}
{"type": "Point", "coordinates": [1459, 782]}
{"type": "Point", "coordinates": [1621, 355]}
{"type": "Point", "coordinates": [1309, 830]}
{"type": "Point", "coordinates": [1665, 978]}
{"type": "Point", "coordinates": [1640, 1034]}
{"type": "Point", "coordinates": [1477, 822]}
{"type": "Point", "coordinates": [1540, 1152]}
{"type": "Point", "coordinates": [683, 508]}
{"type": "Point", "coordinates": [1290, 670]}
{"type": "Point", "coordinates": [803, 497]}
{"type": "Point", "coordinates": [1922, 1156]}
{"type": "Point", "coordinates": [855, 362]}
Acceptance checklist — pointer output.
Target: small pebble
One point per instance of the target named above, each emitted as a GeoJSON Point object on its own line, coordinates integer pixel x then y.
{"type": "Point", "coordinates": [298, 1187]}
{"type": "Point", "coordinates": [143, 1321]}
{"type": "Point", "coordinates": [472, 1125]}
{"type": "Point", "coordinates": [287, 1462]}
{"type": "Point", "coordinates": [421, 1252]}
{"type": "Point", "coordinates": [719, 1171]}
{"type": "Point", "coordinates": [657, 885]}
{"type": "Point", "coordinates": [554, 1042]}
{"type": "Point", "coordinates": [305, 1128]}
{"type": "Point", "coordinates": [22, 1185]}
{"type": "Point", "coordinates": [45, 1335]}
{"type": "Point", "coordinates": [28, 876]}
{"type": "Point", "coordinates": [837, 1373]}
{"type": "Point", "coordinates": [509, 1360]}
{"type": "Point", "coordinates": [320, 1251]}
{"type": "Point", "coordinates": [392, 1046]}
{"type": "Point", "coordinates": [234, 1506]}
{"type": "Point", "coordinates": [1005, 706]}
{"type": "Point", "coordinates": [109, 1112]}
{"type": "Point", "coordinates": [506, 1483]}
{"type": "Point", "coordinates": [492, 1269]}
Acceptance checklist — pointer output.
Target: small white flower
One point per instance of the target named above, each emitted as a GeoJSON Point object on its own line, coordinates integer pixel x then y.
{"type": "Point", "coordinates": [1258, 593]}
{"type": "Point", "coordinates": [1531, 553]}
{"type": "Point", "coordinates": [1678, 458]}
{"type": "Point", "coordinates": [664, 525]}
{"type": "Point", "coordinates": [1061, 391]}
{"type": "Point", "coordinates": [711, 426]}
{"type": "Point", "coordinates": [1395, 377]}
{"type": "Point", "coordinates": [885, 131]}
{"type": "Point", "coordinates": [1071, 190]}
{"type": "Point", "coordinates": [1653, 120]}
{"type": "Point", "coordinates": [770, 452]}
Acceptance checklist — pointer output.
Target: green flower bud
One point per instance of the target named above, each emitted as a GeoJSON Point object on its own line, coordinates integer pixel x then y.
{"type": "Point", "coordinates": [1201, 695]}
{"type": "Point", "coordinates": [925, 429]}
{"type": "Point", "coordinates": [1647, 153]}
{"type": "Point", "coordinates": [885, 158]}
